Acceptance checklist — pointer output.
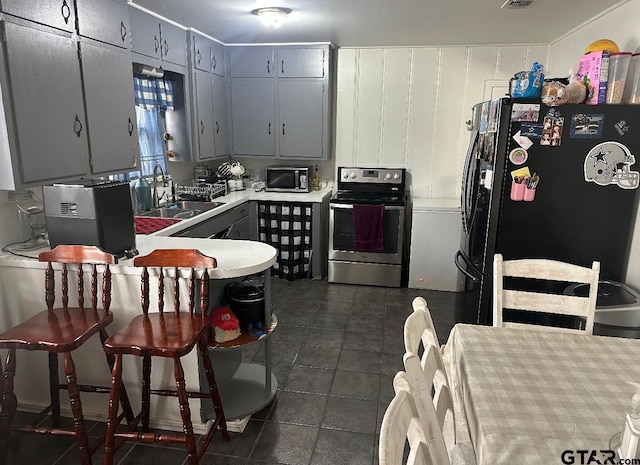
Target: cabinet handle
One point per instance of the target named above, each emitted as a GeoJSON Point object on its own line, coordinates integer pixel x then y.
{"type": "Point", "coordinates": [123, 30]}
{"type": "Point", "coordinates": [269, 127]}
{"type": "Point", "coordinates": [283, 129]}
{"type": "Point", "coordinates": [199, 55]}
{"type": "Point", "coordinates": [66, 11]}
{"type": "Point", "coordinates": [215, 63]}
{"type": "Point", "coordinates": [77, 126]}
{"type": "Point", "coordinates": [201, 127]}
{"type": "Point", "coordinates": [282, 67]}
{"type": "Point", "coordinates": [130, 127]}
{"type": "Point", "coordinates": [166, 47]}
{"type": "Point", "coordinates": [217, 128]}
{"type": "Point", "coordinates": [156, 41]}
{"type": "Point", "coordinates": [268, 66]}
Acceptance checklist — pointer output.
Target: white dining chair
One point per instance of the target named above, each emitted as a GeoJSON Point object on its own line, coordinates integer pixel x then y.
{"type": "Point", "coordinates": [557, 304]}
{"type": "Point", "coordinates": [402, 423]}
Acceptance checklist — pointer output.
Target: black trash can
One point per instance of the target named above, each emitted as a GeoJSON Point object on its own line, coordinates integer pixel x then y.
{"type": "Point", "coordinates": [617, 309]}
{"type": "Point", "coordinates": [246, 299]}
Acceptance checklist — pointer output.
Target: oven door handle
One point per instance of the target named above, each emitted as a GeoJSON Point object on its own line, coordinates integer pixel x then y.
{"type": "Point", "coordinates": [349, 206]}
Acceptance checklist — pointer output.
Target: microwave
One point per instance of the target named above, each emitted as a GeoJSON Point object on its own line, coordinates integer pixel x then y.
{"type": "Point", "coordinates": [288, 179]}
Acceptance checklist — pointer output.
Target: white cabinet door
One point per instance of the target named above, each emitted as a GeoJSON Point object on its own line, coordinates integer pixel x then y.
{"type": "Point", "coordinates": [204, 109]}
{"type": "Point", "coordinates": [55, 13]}
{"type": "Point", "coordinates": [46, 93]}
{"type": "Point", "coordinates": [108, 84]}
{"type": "Point", "coordinates": [251, 62]}
{"type": "Point", "coordinates": [105, 20]}
{"type": "Point", "coordinates": [220, 116]}
{"type": "Point", "coordinates": [301, 62]}
{"type": "Point", "coordinates": [300, 122]}
{"type": "Point", "coordinates": [252, 110]}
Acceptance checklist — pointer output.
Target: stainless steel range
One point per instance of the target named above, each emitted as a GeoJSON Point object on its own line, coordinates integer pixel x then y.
{"type": "Point", "coordinates": [366, 221]}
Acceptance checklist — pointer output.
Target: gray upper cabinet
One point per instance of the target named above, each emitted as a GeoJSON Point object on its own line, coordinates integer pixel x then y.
{"type": "Point", "coordinates": [301, 62]}
{"type": "Point", "coordinates": [55, 13]}
{"type": "Point", "coordinates": [300, 119]}
{"type": "Point", "coordinates": [217, 59]}
{"type": "Point", "coordinates": [201, 49]}
{"type": "Point", "coordinates": [155, 38]}
{"type": "Point", "coordinates": [105, 20]}
{"type": "Point", "coordinates": [251, 62]}
{"type": "Point", "coordinates": [173, 44]}
{"type": "Point", "coordinates": [253, 111]}
{"type": "Point", "coordinates": [204, 112]}
{"type": "Point", "coordinates": [220, 116]}
{"type": "Point", "coordinates": [113, 137]}
{"type": "Point", "coordinates": [300, 83]}
{"type": "Point", "coordinates": [45, 90]}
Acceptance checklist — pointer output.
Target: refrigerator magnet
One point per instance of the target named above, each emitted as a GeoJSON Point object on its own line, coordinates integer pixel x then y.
{"type": "Point", "coordinates": [585, 126]}
{"type": "Point", "coordinates": [621, 127]}
{"type": "Point", "coordinates": [518, 156]}
{"type": "Point", "coordinates": [552, 131]}
{"type": "Point", "coordinates": [532, 130]}
{"type": "Point", "coordinates": [522, 141]}
{"type": "Point", "coordinates": [525, 112]}
{"type": "Point", "coordinates": [610, 163]}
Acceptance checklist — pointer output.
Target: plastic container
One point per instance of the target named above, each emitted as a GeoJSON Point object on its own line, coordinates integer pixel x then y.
{"type": "Point", "coordinates": [143, 195]}
{"type": "Point", "coordinates": [618, 67]}
{"type": "Point", "coordinates": [31, 220]}
{"type": "Point", "coordinates": [632, 86]}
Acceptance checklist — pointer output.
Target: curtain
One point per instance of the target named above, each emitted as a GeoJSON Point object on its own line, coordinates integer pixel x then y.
{"type": "Point", "coordinates": [153, 92]}
{"type": "Point", "coordinates": [150, 140]}
{"type": "Point", "coordinates": [287, 227]}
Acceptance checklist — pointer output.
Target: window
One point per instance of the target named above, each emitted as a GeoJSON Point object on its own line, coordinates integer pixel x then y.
{"type": "Point", "coordinates": [153, 96]}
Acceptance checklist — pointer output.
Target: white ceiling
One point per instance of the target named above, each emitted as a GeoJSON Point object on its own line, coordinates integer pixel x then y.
{"type": "Point", "coordinates": [361, 23]}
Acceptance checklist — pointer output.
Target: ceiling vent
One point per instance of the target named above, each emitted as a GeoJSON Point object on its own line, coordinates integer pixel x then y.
{"type": "Point", "coordinates": [517, 4]}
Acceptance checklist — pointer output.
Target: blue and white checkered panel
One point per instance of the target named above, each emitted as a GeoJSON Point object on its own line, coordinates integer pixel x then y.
{"type": "Point", "coordinates": [153, 92]}
{"type": "Point", "coordinates": [287, 227]}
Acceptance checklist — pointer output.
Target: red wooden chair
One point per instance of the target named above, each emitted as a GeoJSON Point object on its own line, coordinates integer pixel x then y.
{"type": "Point", "coordinates": [61, 330]}
{"type": "Point", "coordinates": [166, 334]}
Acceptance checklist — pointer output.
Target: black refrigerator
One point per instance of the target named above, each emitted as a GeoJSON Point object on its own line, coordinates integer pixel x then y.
{"type": "Point", "coordinates": [546, 182]}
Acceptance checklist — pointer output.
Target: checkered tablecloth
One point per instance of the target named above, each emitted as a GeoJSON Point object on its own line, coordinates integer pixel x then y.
{"type": "Point", "coordinates": [529, 395]}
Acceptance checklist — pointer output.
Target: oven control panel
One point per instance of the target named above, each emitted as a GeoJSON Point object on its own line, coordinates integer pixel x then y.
{"type": "Point", "coordinates": [371, 175]}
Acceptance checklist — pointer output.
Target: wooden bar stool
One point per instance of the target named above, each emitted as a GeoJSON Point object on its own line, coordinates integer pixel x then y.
{"type": "Point", "coordinates": [166, 334]}
{"type": "Point", "coordinates": [62, 330]}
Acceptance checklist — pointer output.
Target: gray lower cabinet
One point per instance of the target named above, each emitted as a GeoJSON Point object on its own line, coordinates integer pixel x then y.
{"type": "Point", "coordinates": [45, 91]}
{"type": "Point", "coordinates": [232, 224]}
{"type": "Point", "coordinates": [301, 112]}
{"type": "Point", "coordinates": [253, 116]}
{"type": "Point", "coordinates": [113, 137]}
{"type": "Point", "coordinates": [204, 123]}
{"type": "Point", "coordinates": [55, 13]}
{"type": "Point", "coordinates": [104, 20]}
{"type": "Point", "coordinates": [242, 222]}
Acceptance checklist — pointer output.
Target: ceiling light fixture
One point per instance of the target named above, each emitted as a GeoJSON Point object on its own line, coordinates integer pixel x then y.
{"type": "Point", "coordinates": [272, 16]}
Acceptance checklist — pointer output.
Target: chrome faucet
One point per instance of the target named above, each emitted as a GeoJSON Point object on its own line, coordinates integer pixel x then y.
{"type": "Point", "coordinates": [156, 199]}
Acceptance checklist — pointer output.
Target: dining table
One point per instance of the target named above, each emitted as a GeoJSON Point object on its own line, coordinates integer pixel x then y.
{"type": "Point", "coordinates": [541, 397]}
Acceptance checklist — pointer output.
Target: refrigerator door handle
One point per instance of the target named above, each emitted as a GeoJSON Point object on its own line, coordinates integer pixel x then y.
{"type": "Point", "coordinates": [468, 265]}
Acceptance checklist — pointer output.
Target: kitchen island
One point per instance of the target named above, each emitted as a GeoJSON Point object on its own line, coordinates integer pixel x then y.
{"type": "Point", "coordinates": [22, 296]}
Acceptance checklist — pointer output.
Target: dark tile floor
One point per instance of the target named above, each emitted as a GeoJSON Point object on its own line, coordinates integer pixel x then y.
{"type": "Point", "coordinates": [335, 352]}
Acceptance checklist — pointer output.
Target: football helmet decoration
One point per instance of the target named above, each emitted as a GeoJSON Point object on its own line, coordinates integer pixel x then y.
{"type": "Point", "coordinates": [609, 163]}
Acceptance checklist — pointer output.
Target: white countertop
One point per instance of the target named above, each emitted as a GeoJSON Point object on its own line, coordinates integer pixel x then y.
{"type": "Point", "coordinates": [233, 199]}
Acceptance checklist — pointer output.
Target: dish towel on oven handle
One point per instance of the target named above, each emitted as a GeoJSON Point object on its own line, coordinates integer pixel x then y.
{"type": "Point", "coordinates": [368, 224]}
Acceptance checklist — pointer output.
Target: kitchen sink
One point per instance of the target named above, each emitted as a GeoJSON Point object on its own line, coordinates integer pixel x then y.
{"type": "Point", "coordinates": [181, 210]}
{"type": "Point", "coordinates": [168, 212]}
{"type": "Point", "coordinates": [196, 205]}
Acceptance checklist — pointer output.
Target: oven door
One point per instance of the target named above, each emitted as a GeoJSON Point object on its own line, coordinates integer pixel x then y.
{"type": "Point", "coordinates": [342, 240]}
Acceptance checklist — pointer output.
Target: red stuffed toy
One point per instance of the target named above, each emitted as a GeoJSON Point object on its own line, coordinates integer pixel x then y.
{"type": "Point", "coordinates": [225, 324]}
